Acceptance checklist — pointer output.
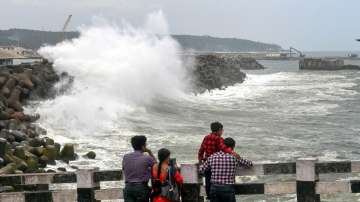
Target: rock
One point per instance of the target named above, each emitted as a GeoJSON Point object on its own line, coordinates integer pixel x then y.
{"type": "Point", "coordinates": [33, 164]}
{"type": "Point", "coordinates": [47, 141]}
{"type": "Point", "coordinates": [14, 99]}
{"type": "Point", "coordinates": [35, 142]}
{"type": "Point", "coordinates": [38, 151]}
{"type": "Point", "coordinates": [3, 79]}
{"type": "Point", "coordinates": [2, 147]}
{"type": "Point", "coordinates": [22, 165]}
{"type": "Point", "coordinates": [74, 167]}
{"type": "Point", "coordinates": [57, 147]}
{"type": "Point", "coordinates": [40, 130]}
{"type": "Point", "coordinates": [9, 85]}
{"type": "Point", "coordinates": [9, 137]}
{"type": "Point", "coordinates": [25, 79]}
{"type": "Point", "coordinates": [3, 123]}
{"type": "Point", "coordinates": [4, 115]}
{"type": "Point", "coordinates": [68, 153]}
{"type": "Point", "coordinates": [15, 144]}
{"type": "Point", "coordinates": [61, 169]}
{"type": "Point", "coordinates": [18, 135]}
{"type": "Point", "coordinates": [90, 155]}
{"type": "Point", "coordinates": [51, 153]}
{"type": "Point", "coordinates": [51, 171]}
{"type": "Point", "coordinates": [8, 169]}
{"type": "Point", "coordinates": [18, 172]}
{"type": "Point", "coordinates": [212, 72]}
{"type": "Point", "coordinates": [2, 162]}
{"type": "Point", "coordinates": [31, 133]}
{"type": "Point", "coordinates": [43, 160]}
{"type": "Point", "coordinates": [24, 143]}
{"type": "Point", "coordinates": [30, 155]}
{"type": "Point", "coordinates": [14, 124]}
{"type": "Point", "coordinates": [20, 152]}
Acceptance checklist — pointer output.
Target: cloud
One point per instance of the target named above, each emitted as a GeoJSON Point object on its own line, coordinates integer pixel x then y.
{"type": "Point", "coordinates": [66, 3]}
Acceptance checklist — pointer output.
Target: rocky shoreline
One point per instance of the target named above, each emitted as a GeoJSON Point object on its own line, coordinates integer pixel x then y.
{"type": "Point", "coordinates": [24, 147]}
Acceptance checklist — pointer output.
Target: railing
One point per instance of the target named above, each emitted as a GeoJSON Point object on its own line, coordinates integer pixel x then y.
{"type": "Point", "coordinates": [307, 187]}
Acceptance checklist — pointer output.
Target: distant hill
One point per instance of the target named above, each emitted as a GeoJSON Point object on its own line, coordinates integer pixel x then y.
{"type": "Point", "coordinates": [208, 43]}
{"type": "Point", "coordinates": [34, 39]}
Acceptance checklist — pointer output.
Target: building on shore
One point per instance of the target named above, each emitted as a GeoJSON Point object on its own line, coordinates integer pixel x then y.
{"type": "Point", "coordinates": [13, 55]}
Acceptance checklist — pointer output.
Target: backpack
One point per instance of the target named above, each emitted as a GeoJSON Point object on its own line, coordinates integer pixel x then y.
{"type": "Point", "coordinates": [168, 189]}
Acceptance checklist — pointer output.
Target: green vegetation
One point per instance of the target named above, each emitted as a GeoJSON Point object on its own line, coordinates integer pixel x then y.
{"type": "Point", "coordinates": [34, 39]}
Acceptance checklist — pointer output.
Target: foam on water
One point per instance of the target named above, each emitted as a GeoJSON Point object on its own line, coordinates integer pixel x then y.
{"type": "Point", "coordinates": [117, 69]}
{"type": "Point", "coordinates": [295, 93]}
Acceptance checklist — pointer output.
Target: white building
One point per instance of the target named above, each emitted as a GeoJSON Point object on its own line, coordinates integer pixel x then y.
{"type": "Point", "coordinates": [12, 55]}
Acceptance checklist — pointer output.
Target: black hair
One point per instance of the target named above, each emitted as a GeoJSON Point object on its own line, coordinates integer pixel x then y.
{"type": "Point", "coordinates": [163, 154]}
{"type": "Point", "coordinates": [229, 142]}
{"type": "Point", "coordinates": [138, 142]}
{"type": "Point", "coordinates": [216, 126]}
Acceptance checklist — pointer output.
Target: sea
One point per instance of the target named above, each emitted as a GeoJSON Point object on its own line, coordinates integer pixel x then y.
{"type": "Point", "coordinates": [277, 114]}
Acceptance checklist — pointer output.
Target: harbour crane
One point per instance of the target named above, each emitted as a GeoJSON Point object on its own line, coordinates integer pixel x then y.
{"type": "Point", "coordinates": [66, 23]}
{"type": "Point", "coordinates": [65, 26]}
{"type": "Point", "coordinates": [292, 50]}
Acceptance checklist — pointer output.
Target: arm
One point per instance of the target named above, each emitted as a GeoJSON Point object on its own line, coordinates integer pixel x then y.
{"type": "Point", "coordinates": [201, 151]}
{"type": "Point", "coordinates": [244, 163]}
{"type": "Point", "coordinates": [178, 177]}
{"type": "Point", "coordinates": [205, 166]}
{"type": "Point", "coordinates": [151, 155]}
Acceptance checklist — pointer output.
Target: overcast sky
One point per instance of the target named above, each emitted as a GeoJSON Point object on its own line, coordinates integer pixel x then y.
{"type": "Point", "coordinates": [305, 24]}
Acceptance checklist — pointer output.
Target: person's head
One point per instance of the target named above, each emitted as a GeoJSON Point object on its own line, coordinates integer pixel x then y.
{"type": "Point", "coordinates": [138, 142]}
{"type": "Point", "coordinates": [164, 155]}
{"type": "Point", "coordinates": [217, 127]}
{"type": "Point", "coordinates": [229, 142]}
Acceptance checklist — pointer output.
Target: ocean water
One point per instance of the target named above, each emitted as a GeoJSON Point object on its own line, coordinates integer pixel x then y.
{"type": "Point", "coordinates": [133, 82]}
{"type": "Point", "coordinates": [277, 114]}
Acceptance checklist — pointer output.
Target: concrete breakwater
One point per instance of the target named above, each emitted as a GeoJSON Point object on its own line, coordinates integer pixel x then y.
{"type": "Point", "coordinates": [325, 64]}
{"type": "Point", "coordinates": [24, 146]}
{"type": "Point", "coordinates": [216, 71]}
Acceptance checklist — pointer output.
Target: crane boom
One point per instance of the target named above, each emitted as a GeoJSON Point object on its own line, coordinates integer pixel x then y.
{"type": "Point", "coordinates": [66, 23]}
{"type": "Point", "coordinates": [296, 50]}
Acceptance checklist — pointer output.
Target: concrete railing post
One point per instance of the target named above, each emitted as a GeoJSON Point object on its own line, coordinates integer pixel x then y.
{"type": "Point", "coordinates": [192, 183]}
{"type": "Point", "coordinates": [86, 185]}
{"type": "Point", "coordinates": [306, 178]}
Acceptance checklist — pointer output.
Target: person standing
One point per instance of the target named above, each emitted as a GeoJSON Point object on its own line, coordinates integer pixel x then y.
{"type": "Point", "coordinates": [211, 144]}
{"type": "Point", "coordinates": [136, 167]}
{"type": "Point", "coordinates": [166, 178]}
{"type": "Point", "coordinates": [223, 166]}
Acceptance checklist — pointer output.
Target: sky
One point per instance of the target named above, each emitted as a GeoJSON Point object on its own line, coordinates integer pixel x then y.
{"type": "Point", "coordinates": [309, 25]}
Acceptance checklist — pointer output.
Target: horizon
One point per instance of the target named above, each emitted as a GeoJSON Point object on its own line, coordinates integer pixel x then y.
{"type": "Point", "coordinates": [283, 49]}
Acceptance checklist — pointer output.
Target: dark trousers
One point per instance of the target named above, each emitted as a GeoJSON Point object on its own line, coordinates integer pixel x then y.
{"type": "Point", "coordinates": [136, 193]}
{"type": "Point", "coordinates": [222, 193]}
{"type": "Point", "coordinates": [207, 174]}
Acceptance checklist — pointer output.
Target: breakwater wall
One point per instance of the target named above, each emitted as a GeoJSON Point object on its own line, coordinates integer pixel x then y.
{"type": "Point", "coordinates": [217, 71]}
{"type": "Point", "coordinates": [24, 147]}
{"type": "Point", "coordinates": [308, 185]}
{"type": "Point", "coordinates": [212, 72]}
{"type": "Point", "coordinates": [325, 64]}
